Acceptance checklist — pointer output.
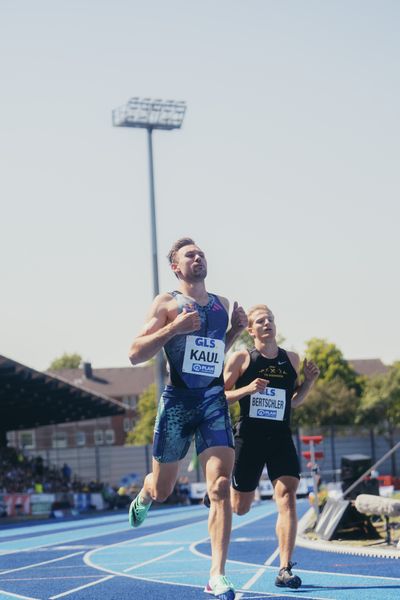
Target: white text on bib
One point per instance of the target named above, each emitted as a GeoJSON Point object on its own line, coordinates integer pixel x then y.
{"type": "Point", "coordinates": [269, 404]}
{"type": "Point", "coordinates": [203, 356]}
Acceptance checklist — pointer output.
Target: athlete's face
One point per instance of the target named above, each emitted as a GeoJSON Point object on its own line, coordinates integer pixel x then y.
{"type": "Point", "coordinates": [263, 326]}
{"type": "Point", "coordinates": [190, 264]}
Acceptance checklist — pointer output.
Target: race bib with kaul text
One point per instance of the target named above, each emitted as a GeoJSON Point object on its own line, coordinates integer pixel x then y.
{"type": "Point", "coordinates": [203, 356]}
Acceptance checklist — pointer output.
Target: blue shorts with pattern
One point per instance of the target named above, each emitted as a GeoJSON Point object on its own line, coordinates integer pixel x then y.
{"type": "Point", "coordinates": [184, 413]}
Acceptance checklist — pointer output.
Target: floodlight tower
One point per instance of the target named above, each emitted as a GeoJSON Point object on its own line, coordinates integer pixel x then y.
{"type": "Point", "coordinates": [149, 114]}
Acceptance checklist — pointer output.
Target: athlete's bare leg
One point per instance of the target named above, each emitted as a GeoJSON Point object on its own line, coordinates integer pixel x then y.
{"type": "Point", "coordinates": [286, 526]}
{"type": "Point", "coordinates": [217, 464]}
{"type": "Point", "coordinates": [159, 484]}
{"type": "Point", "coordinates": [241, 501]}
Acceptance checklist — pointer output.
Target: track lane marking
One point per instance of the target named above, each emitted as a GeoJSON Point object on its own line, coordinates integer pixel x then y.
{"type": "Point", "coordinates": [49, 540]}
{"type": "Point", "coordinates": [82, 587]}
{"type": "Point", "coordinates": [9, 595]}
{"type": "Point", "coordinates": [45, 562]}
{"type": "Point", "coordinates": [77, 589]}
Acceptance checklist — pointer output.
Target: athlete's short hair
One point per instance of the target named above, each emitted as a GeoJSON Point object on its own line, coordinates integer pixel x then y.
{"type": "Point", "coordinates": [254, 309]}
{"type": "Point", "coordinates": [186, 241]}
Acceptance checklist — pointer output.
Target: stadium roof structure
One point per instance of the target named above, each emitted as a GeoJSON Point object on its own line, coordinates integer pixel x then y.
{"type": "Point", "coordinates": [30, 398]}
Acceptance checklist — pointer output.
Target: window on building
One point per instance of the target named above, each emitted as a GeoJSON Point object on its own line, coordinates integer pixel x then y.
{"type": "Point", "coordinates": [98, 437]}
{"type": "Point", "coordinates": [60, 439]}
{"type": "Point", "coordinates": [130, 401]}
{"type": "Point", "coordinates": [80, 438]}
{"type": "Point", "coordinates": [27, 440]}
{"type": "Point", "coordinates": [110, 436]}
{"type": "Point", "coordinates": [127, 424]}
{"type": "Point", "coordinates": [11, 438]}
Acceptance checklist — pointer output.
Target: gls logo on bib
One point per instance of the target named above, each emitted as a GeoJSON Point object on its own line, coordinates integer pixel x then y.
{"type": "Point", "coordinates": [269, 404]}
{"type": "Point", "coordinates": [203, 356]}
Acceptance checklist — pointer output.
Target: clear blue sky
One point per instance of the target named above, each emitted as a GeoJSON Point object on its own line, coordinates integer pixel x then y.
{"type": "Point", "coordinates": [286, 171]}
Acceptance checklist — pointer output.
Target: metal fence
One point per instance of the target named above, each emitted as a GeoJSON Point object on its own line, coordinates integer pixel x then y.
{"type": "Point", "coordinates": [110, 463]}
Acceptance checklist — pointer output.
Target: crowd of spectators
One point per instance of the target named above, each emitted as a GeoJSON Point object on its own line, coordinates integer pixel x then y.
{"type": "Point", "coordinates": [20, 474]}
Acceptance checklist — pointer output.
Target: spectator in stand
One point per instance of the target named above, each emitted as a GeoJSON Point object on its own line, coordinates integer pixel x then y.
{"type": "Point", "coordinates": [38, 469]}
{"type": "Point", "coordinates": [20, 474]}
{"type": "Point", "coordinates": [66, 471]}
{"type": "Point", "coordinates": [38, 487]}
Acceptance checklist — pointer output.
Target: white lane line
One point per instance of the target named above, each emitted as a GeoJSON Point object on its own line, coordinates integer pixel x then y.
{"type": "Point", "coordinates": [193, 549]}
{"type": "Point", "coordinates": [112, 576]}
{"type": "Point", "coordinates": [53, 539]}
{"type": "Point", "coordinates": [136, 541]}
{"type": "Point", "coordinates": [34, 530]}
{"type": "Point", "coordinates": [82, 587]}
{"type": "Point", "coordinates": [51, 578]}
{"type": "Point", "coordinates": [259, 573]}
{"type": "Point", "coordinates": [9, 595]}
{"type": "Point", "coordinates": [46, 562]}
{"type": "Point", "coordinates": [67, 526]}
{"type": "Point", "coordinates": [280, 596]}
{"type": "Point", "coordinates": [271, 559]}
{"type": "Point", "coordinates": [157, 558]}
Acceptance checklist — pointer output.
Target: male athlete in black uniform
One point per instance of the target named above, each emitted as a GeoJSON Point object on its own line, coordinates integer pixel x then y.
{"type": "Point", "coordinates": [265, 382]}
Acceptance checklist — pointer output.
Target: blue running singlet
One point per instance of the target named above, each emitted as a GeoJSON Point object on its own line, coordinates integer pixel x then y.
{"type": "Point", "coordinates": [194, 403]}
{"type": "Point", "coordinates": [196, 359]}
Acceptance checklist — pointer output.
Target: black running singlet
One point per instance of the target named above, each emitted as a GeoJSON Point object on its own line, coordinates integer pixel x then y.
{"type": "Point", "coordinates": [268, 411]}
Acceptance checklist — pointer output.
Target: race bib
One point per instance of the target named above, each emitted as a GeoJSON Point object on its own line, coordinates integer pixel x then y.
{"type": "Point", "coordinates": [203, 356]}
{"type": "Point", "coordinates": [269, 404]}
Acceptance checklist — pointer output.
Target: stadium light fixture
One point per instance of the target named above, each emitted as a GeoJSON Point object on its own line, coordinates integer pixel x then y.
{"type": "Point", "coordinates": [149, 114]}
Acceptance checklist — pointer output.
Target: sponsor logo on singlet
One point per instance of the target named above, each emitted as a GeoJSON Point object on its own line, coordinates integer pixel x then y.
{"type": "Point", "coordinates": [203, 356]}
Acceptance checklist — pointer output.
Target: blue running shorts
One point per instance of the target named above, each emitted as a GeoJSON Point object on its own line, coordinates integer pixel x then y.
{"type": "Point", "coordinates": [184, 413]}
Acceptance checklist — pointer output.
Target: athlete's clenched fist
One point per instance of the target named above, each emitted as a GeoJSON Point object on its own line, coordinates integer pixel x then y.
{"type": "Point", "coordinates": [311, 371]}
{"type": "Point", "coordinates": [239, 319]}
{"type": "Point", "coordinates": [257, 385]}
{"type": "Point", "coordinates": [187, 322]}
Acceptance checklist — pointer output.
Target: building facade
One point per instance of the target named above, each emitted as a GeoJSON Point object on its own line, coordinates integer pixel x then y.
{"type": "Point", "coordinates": [124, 384]}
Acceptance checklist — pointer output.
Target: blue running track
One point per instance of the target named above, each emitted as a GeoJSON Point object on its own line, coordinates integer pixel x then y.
{"type": "Point", "coordinates": [168, 558]}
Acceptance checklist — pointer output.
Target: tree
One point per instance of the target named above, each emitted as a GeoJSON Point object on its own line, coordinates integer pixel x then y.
{"type": "Point", "coordinates": [142, 433]}
{"type": "Point", "coordinates": [234, 410]}
{"type": "Point", "coordinates": [242, 342]}
{"type": "Point", "coordinates": [381, 399]}
{"type": "Point", "coordinates": [380, 405]}
{"type": "Point", "coordinates": [333, 365]}
{"type": "Point", "coordinates": [329, 403]}
{"type": "Point", "coordinates": [335, 398]}
{"type": "Point", "coordinates": [66, 361]}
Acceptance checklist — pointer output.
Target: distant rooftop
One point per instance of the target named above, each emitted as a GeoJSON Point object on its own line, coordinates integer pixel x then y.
{"type": "Point", "coordinates": [368, 366]}
{"type": "Point", "coordinates": [114, 382]}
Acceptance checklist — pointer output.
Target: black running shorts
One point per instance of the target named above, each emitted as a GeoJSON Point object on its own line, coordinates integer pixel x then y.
{"type": "Point", "coordinates": [253, 452]}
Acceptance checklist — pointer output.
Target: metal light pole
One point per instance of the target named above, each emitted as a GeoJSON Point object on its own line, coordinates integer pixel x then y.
{"type": "Point", "coordinates": [149, 114]}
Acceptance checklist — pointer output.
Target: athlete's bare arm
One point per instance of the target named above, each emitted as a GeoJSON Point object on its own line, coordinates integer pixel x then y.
{"type": "Point", "coordinates": [311, 373]}
{"type": "Point", "coordinates": [163, 323]}
{"type": "Point", "coordinates": [235, 367]}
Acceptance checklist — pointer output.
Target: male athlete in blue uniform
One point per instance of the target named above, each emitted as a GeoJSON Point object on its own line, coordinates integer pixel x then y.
{"type": "Point", "coordinates": [266, 386]}
{"type": "Point", "coordinates": [191, 325]}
